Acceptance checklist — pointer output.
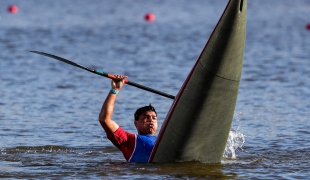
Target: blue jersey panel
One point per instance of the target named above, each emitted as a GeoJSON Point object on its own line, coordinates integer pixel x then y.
{"type": "Point", "coordinates": [143, 149]}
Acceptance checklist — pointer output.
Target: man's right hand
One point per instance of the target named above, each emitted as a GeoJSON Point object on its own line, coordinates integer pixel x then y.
{"type": "Point", "coordinates": [118, 83]}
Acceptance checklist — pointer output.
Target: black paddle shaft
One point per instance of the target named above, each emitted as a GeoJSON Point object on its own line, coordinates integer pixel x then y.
{"type": "Point", "coordinates": [104, 74]}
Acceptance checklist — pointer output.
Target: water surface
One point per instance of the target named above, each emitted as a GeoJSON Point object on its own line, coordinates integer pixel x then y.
{"type": "Point", "coordinates": [49, 110]}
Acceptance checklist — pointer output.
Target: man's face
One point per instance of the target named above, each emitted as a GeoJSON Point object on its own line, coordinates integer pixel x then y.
{"type": "Point", "coordinates": [147, 123]}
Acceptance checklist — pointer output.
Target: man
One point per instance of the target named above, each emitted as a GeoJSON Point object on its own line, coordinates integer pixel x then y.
{"type": "Point", "coordinates": [135, 147]}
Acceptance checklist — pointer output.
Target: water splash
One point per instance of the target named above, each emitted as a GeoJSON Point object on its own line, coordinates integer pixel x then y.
{"type": "Point", "coordinates": [235, 141]}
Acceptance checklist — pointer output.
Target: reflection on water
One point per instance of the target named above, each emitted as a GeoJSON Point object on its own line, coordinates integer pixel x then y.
{"type": "Point", "coordinates": [60, 161]}
{"type": "Point", "coordinates": [55, 161]}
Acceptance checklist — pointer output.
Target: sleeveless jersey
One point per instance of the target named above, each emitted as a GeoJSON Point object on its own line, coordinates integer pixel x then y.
{"type": "Point", "coordinates": [135, 147]}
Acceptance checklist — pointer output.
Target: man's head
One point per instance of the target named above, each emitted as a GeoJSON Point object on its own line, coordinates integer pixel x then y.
{"type": "Point", "coordinates": [146, 120]}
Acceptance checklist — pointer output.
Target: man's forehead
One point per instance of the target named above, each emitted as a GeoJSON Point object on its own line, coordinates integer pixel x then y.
{"type": "Point", "coordinates": [150, 112]}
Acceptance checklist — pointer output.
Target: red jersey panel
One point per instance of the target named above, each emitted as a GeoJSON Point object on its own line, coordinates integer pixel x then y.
{"type": "Point", "coordinates": [124, 141]}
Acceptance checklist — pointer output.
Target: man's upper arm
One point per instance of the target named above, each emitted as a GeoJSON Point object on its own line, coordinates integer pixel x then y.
{"type": "Point", "coordinates": [110, 127]}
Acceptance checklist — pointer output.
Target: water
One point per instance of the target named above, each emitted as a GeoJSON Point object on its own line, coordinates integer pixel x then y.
{"type": "Point", "coordinates": [49, 110]}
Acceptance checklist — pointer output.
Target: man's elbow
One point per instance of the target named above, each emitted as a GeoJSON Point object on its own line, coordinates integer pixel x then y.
{"type": "Point", "coordinates": [103, 119]}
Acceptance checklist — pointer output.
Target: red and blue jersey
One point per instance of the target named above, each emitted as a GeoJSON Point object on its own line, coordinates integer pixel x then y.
{"type": "Point", "coordinates": [135, 147]}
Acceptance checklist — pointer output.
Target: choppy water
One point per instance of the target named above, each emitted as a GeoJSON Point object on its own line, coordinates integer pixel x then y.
{"type": "Point", "coordinates": [48, 110]}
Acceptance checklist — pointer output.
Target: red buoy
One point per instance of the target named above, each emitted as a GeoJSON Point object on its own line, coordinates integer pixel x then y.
{"type": "Point", "coordinates": [149, 17]}
{"type": "Point", "coordinates": [308, 26]}
{"type": "Point", "coordinates": [13, 9]}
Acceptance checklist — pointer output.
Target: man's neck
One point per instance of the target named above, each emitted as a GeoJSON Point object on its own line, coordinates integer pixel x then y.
{"type": "Point", "coordinates": [144, 134]}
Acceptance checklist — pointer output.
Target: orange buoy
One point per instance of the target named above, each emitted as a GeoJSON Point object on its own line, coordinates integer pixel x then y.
{"type": "Point", "coordinates": [308, 26]}
{"type": "Point", "coordinates": [13, 9]}
{"type": "Point", "coordinates": [149, 17]}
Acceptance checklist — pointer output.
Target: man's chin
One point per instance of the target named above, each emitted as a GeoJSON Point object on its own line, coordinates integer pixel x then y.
{"type": "Point", "coordinates": [150, 131]}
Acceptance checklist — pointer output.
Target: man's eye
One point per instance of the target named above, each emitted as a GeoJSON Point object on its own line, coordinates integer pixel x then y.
{"type": "Point", "coordinates": [152, 117]}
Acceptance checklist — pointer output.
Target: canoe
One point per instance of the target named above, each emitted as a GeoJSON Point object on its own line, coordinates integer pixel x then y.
{"type": "Point", "coordinates": [198, 123]}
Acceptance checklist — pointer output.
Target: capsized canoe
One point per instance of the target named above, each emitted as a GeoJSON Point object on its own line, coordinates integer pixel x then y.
{"type": "Point", "coordinates": [198, 123]}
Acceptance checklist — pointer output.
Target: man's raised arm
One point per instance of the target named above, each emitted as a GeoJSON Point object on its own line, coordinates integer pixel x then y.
{"type": "Point", "coordinates": [105, 116]}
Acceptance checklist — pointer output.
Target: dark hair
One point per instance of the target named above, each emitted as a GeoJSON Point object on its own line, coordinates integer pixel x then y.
{"type": "Point", "coordinates": [142, 109]}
